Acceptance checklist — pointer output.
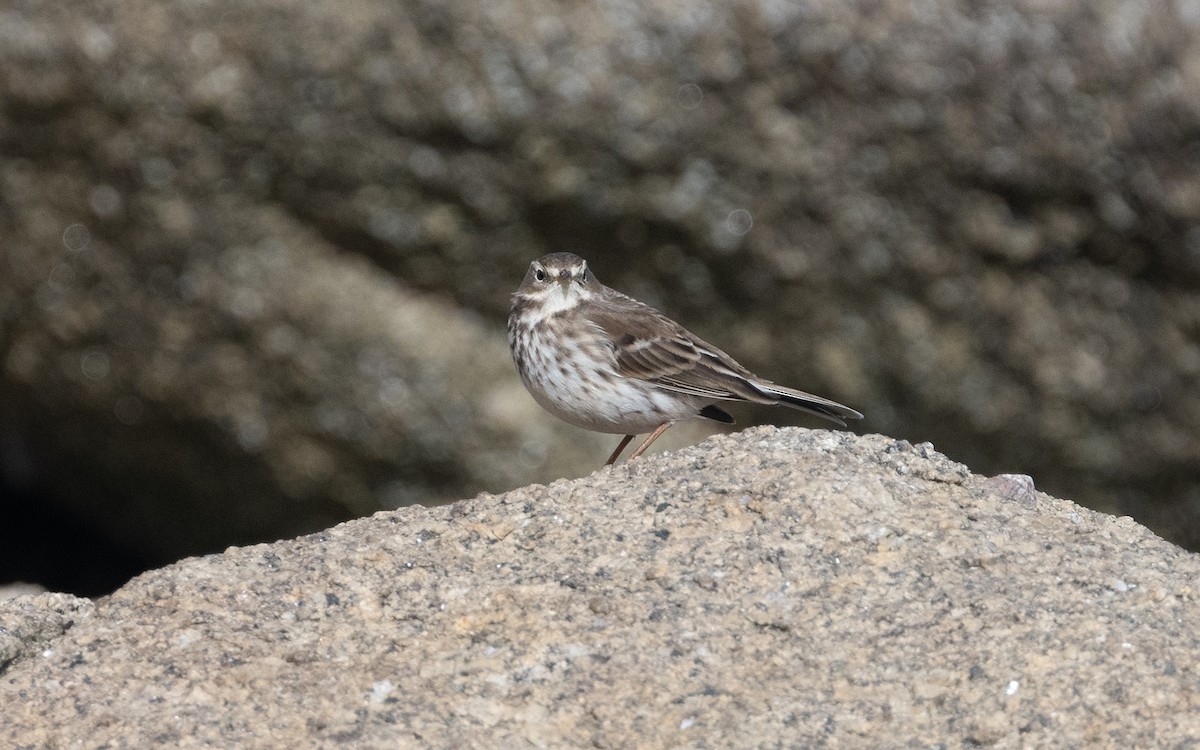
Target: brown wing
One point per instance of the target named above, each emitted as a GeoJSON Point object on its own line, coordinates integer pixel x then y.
{"type": "Point", "coordinates": [652, 347]}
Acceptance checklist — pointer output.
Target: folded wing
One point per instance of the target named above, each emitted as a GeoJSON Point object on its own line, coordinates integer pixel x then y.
{"type": "Point", "coordinates": [654, 348]}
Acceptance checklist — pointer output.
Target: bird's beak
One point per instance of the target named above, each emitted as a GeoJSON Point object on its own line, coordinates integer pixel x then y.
{"type": "Point", "coordinates": [564, 280]}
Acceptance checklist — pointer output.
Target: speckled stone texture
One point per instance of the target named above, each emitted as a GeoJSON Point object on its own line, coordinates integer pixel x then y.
{"type": "Point", "coordinates": [224, 223]}
{"type": "Point", "coordinates": [776, 588]}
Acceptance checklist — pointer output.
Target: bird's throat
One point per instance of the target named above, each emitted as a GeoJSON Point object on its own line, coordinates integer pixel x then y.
{"type": "Point", "coordinates": [553, 301]}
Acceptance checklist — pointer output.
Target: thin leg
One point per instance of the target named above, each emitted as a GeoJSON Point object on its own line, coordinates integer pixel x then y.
{"type": "Point", "coordinates": [649, 439]}
{"type": "Point", "coordinates": [613, 458]}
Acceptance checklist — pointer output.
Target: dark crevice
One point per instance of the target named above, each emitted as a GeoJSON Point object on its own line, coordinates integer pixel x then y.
{"type": "Point", "coordinates": [45, 545]}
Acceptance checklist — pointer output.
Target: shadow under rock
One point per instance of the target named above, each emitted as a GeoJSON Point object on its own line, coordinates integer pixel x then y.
{"type": "Point", "coordinates": [43, 545]}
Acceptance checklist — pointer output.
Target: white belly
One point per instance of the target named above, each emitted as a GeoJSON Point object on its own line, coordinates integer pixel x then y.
{"type": "Point", "coordinates": [581, 386]}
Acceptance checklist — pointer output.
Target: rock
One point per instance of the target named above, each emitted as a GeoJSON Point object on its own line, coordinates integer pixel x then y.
{"type": "Point", "coordinates": [771, 588]}
{"type": "Point", "coordinates": [977, 225]}
{"type": "Point", "coordinates": [272, 369]}
{"type": "Point", "coordinates": [20, 588]}
{"type": "Point", "coordinates": [31, 622]}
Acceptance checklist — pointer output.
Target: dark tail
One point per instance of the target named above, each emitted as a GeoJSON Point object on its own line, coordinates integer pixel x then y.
{"type": "Point", "coordinates": [821, 407]}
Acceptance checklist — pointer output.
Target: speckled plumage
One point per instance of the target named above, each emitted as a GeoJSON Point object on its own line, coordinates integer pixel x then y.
{"type": "Point", "coordinates": [603, 361]}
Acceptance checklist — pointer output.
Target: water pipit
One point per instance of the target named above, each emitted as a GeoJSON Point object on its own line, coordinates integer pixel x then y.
{"type": "Point", "coordinates": [603, 361]}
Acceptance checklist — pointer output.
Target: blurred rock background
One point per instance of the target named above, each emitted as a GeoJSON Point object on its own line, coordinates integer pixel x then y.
{"type": "Point", "coordinates": [255, 258]}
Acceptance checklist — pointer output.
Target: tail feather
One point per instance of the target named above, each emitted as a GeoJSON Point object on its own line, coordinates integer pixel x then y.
{"type": "Point", "coordinates": [815, 405]}
{"type": "Point", "coordinates": [713, 412]}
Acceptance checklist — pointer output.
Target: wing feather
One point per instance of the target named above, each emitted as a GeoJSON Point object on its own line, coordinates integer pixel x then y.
{"type": "Point", "coordinates": [650, 346]}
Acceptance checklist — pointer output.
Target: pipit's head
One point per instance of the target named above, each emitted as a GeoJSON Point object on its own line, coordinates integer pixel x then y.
{"type": "Point", "coordinates": [558, 281]}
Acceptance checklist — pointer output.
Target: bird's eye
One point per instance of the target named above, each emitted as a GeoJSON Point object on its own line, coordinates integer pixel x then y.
{"type": "Point", "coordinates": [539, 274]}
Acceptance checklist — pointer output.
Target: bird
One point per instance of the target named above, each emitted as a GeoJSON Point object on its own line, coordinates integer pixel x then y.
{"type": "Point", "coordinates": [598, 359]}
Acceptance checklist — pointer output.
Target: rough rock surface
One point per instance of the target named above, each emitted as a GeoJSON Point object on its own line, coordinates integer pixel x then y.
{"type": "Point", "coordinates": [976, 223]}
{"type": "Point", "coordinates": [776, 588]}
